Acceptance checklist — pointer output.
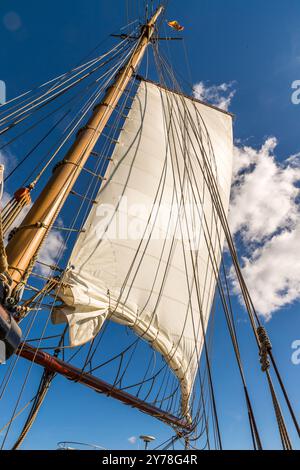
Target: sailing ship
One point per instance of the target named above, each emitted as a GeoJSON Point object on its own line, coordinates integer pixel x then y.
{"type": "Point", "coordinates": [132, 179]}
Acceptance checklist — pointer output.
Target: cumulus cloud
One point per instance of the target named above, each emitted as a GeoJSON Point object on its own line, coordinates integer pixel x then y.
{"type": "Point", "coordinates": [132, 439]}
{"type": "Point", "coordinates": [7, 159]}
{"type": "Point", "coordinates": [51, 251]}
{"type": "Point", "coordinates": [265, 214]}
{"type": "Point", "coordinates": [218, 95]}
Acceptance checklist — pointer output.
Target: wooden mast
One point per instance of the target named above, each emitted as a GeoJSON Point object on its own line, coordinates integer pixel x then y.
{"type": "Point", "coordinates": [25, 243]}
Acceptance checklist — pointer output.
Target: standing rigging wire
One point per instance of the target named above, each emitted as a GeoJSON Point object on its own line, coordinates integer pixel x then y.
{"type": "Point", "coordinates": [212, 251]}
{"type": "Point", "coordinates": [25, 104]}
{"type": "Point", "coordinates": [43, 388]}
{"type": "Point", "coordinates": [79, 95]}
{"type": "Point", "coordinates": [77, 157]}
{"type": "Point", "coordinates": [9, 218]}
{"type": "Point", "coordinates": [27, 375]}
{"type": "Point", "coordinates": [248, 302]}
{"type": "Point", "coordinates": [186, 56]}
{"type": "Point", "coordinates": [47, 97]}
{"type": "Point", "coordinates": [166, 68]}
{"type": "Point", "coordinates": [90, 104]}
{"type": "Point", "coordinates": [208, 366]}
{"type": "Point", "coordinates": [84, 110]}
{"type": "Point", "coordinates": [92, 72]}
{"type": "Point", "coordinates": [74, 119]}
{"type": "Point", "coordinates": [31, 323]}
{"type": "Point", "coordinates": [231, 326]}
{"type": "Point", "coordinates": [58, 81]}
{"type": "Point", "coordinates": [23, 385]}
{"type": "Point", "coordinates": [78, 66]}
{"type": "Point", "coordinates": [105, 151]}
{"type": "Point", "coordinates": [251, 310]}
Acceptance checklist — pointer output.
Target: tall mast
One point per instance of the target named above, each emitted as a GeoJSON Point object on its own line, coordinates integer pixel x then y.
{"type": "Point", "coordinates": [25, 243]}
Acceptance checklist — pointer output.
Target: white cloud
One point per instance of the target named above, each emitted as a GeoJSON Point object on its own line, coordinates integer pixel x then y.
{"type": "Point", "coordinates": [7, 159]}
{"type": "Point", "coordinates": [218, 95]}
{"type": "Point", "coordinates": [265, 213]}
{"type": "Point", "coordinates": [51, 251]}
{"type": "Point", "coordinates": [264, 194]}
{"type": "Point", "coordinates": [132, 439]}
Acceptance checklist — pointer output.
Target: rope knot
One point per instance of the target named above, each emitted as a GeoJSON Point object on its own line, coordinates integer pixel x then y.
{"type": "Point", "coordinates": [265, 348]}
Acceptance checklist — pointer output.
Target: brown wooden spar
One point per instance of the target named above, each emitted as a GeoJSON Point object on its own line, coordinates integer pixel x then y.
{"type": "Point", "coordinates": [27, 240]}
{"type": "Point", "coordinates": [54, 364]}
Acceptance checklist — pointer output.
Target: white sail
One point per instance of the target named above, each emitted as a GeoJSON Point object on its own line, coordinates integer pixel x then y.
{"type": "Point", "coordinates": [150, 252]}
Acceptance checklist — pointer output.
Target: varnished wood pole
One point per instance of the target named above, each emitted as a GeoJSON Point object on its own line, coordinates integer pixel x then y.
{"type": "Point", "coordinates": [71, 372]}
{"type": "Point", "coordinates": [27, 240]}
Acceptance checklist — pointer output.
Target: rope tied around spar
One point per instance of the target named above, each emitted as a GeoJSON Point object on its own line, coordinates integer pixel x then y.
{"type": "Point", "coordinates": [265, 347]}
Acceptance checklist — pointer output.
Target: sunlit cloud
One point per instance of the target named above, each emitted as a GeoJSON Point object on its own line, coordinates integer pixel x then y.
{"type": "Point", "coordinates": [265, 214]}
{"type": "Point", "coordinates": [218, 95]}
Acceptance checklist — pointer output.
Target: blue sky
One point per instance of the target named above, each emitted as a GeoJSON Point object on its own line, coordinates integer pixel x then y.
{"type": "Point", "coordinates": [255, 44]}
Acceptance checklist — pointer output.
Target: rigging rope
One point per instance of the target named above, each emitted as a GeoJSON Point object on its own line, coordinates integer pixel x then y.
{"type": "Point", "coordinates": [198, 294]}
{"type": "Point", "coordinates": [22, 389]}
{"type": "Point", "coordinates": [249, 304]}
{"type": "Point", "coordinates": [43, 389]}
{"type": "Point", "coordinates": [251, 418]}
{"type": "Point", "coordinates": [161, 394]}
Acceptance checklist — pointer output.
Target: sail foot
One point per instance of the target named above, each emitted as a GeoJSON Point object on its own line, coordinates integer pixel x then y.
{"type": "Point", "coordinates": [85, 320]}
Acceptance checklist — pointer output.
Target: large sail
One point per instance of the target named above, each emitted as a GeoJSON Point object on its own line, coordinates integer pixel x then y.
{"type": "Point", "coordinates": [152, 245]}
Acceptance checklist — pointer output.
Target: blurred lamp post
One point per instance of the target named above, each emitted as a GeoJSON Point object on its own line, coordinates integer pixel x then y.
{"type": "Point", "coordinates": [146, 440]}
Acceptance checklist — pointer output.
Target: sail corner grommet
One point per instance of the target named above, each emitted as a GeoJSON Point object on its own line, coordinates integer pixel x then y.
{"type": "Point", "coordinates": [10, 335]}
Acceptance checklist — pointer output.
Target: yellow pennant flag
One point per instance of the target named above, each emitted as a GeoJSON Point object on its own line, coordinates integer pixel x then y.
{"type": "Point", "coordinates": [175, 25]}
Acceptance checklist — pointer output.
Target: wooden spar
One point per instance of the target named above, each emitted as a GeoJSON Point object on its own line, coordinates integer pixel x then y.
{"type": "Point", "coordinates": [26, 242]}
{"type": "Point", "coordinates": [58, 366]}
